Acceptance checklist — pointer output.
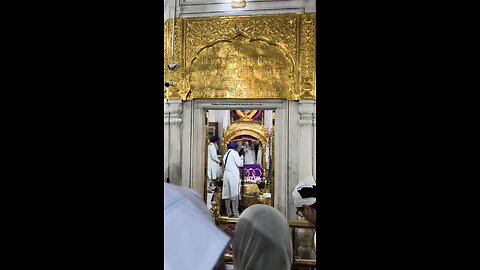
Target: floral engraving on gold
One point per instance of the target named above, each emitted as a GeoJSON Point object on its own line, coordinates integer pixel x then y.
{"type": "Point", "coordinates": [307, 57]}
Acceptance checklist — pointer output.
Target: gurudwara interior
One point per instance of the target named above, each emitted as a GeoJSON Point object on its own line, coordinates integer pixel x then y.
{"type": "Point", "coordinates": [244, 72]}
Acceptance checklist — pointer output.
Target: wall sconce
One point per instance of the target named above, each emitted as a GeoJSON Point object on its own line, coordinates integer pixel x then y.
{"type": "Point", "coordinates": [239, 3]}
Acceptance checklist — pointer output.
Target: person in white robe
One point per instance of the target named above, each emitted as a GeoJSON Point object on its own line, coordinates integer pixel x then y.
{"type": "Point", "coordinates": [249, 149]}
{"type": "Point", "coordinates": [192, 240]}
{"type": "Point", "coordinates": [231, 179]}
{"type": "Point", "coordinates": [213, 163]}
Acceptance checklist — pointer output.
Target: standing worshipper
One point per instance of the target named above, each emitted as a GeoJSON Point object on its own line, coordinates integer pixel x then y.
{"type": "Point", "coordinates": [231, 179]}
{"type": "Point", "coordinates": [213, 163]}
{"type": "Point", "coordinates": [192, 241]}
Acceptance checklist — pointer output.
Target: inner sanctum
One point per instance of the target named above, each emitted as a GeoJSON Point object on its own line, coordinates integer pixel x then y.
{"type": "Point", "coordinates": [253, 130]}
{"type": "Point", "coordinates": [240, 112]}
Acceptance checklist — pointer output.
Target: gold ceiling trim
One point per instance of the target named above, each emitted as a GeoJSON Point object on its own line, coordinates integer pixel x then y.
{"type": "Point", "coordinates": [267, 56]}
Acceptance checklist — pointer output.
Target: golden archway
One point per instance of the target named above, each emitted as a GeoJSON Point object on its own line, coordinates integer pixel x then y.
{"type": "Point", "coordinates": [249, 128]}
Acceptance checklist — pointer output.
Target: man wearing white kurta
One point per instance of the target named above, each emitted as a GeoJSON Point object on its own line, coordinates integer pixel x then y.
{"type": "Point", "coordinates": [231, 179]}
{"type": "Point", "coordinates": [213, 163]}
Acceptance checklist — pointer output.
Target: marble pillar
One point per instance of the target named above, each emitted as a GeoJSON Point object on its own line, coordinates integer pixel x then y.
{"type": "Point", "coordinates": [166, 138]}
{"type": "Point", "coordinates": [305, 145]}
{"type": "Point", "coordinates": [306, 166]}
{"type": "Point", "coordinates": [187, 144]}
{"type": "Point", "coordinates": [293, 154]}
{"type": "Point", "coordinates": [280, 161]}
{"type": "Point", "coordinates": [198, 151]}
{"type": "Point", "coordinates": [175, 147]}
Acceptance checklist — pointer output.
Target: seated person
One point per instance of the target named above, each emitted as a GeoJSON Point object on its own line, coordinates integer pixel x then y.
{"type": "Point", "coordinates": [192, 241]}
{"type": "Point", "coordinates": [262, 240]}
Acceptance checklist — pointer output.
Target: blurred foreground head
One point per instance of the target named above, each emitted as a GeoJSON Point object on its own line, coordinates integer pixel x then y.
{"type": "Point", "coordinates": [262, 240]}
{"type": "Point", "coordinates": [192, 241]}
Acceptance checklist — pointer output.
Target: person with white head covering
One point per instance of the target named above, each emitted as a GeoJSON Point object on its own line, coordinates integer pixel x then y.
{"type": "Point", "coordinates": [231, 179]}
{"type": "Point", "coordinates": [192, 241]}
{"type": "Point", "coordinates": [305, 199]}
{"type": "Point", "coordinates": [262, 240]}
{"type": "Point", "coordinates": [213, 163]}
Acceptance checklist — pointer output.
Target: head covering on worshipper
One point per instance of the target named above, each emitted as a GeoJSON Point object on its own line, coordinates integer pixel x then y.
{"type": "Point", "coordinates": [213, 139]}
{"type": "Point", "coordinates": [192, 241]}
{"type": "Point", "coordinates": [305, 193]}
{"type": "Point", "coordinates": [232, 145]}
{"type": "Point", "coordinates": [262, 240]}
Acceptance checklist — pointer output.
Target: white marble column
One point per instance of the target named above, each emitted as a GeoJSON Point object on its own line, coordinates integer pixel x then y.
{"type": "Point", "coordinates": [293, 153]}
{"type": "Point", "coordinates": [281, 160]}
{"type": "Point", "coordinates": [166, 138]}
{"type": "Point", "coordinates": [175, 145]}
{"type": "Point", "coordinates": [268, 118]}
{"type": "Point", "coordinates": [198, 151]}
{"type": "Point", "coordinates": [187, 127]}
{"type": "Point", "coordinates": [305, 145]}
{"type": "Point", "coordinates": [306, 152]}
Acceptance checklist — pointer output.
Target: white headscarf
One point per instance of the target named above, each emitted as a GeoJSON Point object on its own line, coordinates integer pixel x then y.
{"type": "Point", "coordinates": [262, 240]}
{"type": "Point", "coordinates": [308, 182]}
{"type": "Point", "coordinates": [192, 241]}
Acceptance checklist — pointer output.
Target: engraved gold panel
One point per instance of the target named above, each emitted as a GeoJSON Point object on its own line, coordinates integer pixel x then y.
{"type": "Point", "coordinates": [241, 67]}
{"type": "Point", "coordinates": [307, 63]}
{"type": "Point", "coordinates": [267, 56]}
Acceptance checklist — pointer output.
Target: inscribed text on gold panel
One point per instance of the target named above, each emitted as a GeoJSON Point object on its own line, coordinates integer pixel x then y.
{"type": "Point", "coordinates": [241, 67]}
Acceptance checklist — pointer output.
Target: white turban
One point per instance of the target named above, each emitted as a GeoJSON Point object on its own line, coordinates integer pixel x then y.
{"type": "Point", "coordinates": [192, 241]}
{"type": "Point", "coordinates": [308, 182]}
{"type": "Point", "coordinates": [262, 240]}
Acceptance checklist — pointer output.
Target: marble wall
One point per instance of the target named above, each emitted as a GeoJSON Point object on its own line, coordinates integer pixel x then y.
{"type": "Point", "coordinates": [207, 8]}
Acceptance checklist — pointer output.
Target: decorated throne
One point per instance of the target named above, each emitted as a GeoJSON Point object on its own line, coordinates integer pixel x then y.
{"type": "Point", "coordinates": [253, 176]}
